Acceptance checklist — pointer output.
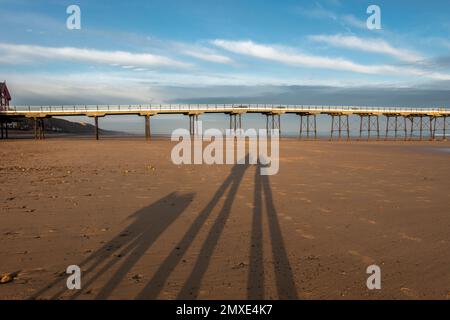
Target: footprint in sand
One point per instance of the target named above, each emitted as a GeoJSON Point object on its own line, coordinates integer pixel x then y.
{"type": "Point", "coordinates": [305, 235]}
{"type": "Point", "coordinates": [368, 220]}
{"type": "Point", "coordinates": [365, 259]}
{"type": "Point", "coordinates": [305, 200]}
{"type": "Point", "coordinates": [407, 237]}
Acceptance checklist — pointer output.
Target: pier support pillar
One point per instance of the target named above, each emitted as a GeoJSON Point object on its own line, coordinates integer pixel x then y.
{"type": "Point", "coordinates": [147, 127]}
{"type": "Point", "coordinates": [445, 124]}
{"type": "Point", "coordinates": [193, 124]}
{"type": "Point", "coordinates": [96, 128]}
{"type": "Point", "coordinates": [39, 129]}
{"type": "Point", "coordinates": [368, 124]}
{"type": "Point", "coordinates": [421, 124]}
{"type": "Point", "coordinates": [396, 123]}
{"type": "Point", "coordinates": [441, 127]}
{"type": "Point", "coordinates": [340, 124]}
{"type": "Point", "coordinates": [4, 128]}
{"type": "Point", "coordinates": [273, 122]}
{"type": "Point", "coordinates": [35, 128]}
{"type": "Point", "coordinates": [235, 121]}
{"type": "Point", "coordinates": [308, 124]}
{"type": "Point", "coordinates": [43, 128]}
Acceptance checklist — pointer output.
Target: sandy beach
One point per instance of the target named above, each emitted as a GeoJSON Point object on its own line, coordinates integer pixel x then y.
{"type": "Point", "coordinates": [141, 227]}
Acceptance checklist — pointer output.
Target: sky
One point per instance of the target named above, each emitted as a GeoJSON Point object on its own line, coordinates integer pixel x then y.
{"type": "Point", "coordinates": [290, 52]}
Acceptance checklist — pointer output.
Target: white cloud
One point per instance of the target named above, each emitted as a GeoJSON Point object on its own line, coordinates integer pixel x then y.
{"type": "Point", "coordinates": [368, 45]}
{"type": "Point", "coordinates": [345, 20]}
{"type": "Point", "coordinates": [129, 87]}
{"type": "Point", "coordinates": [20, 53]}
{"type": "Point", "coordinates": [211, 57]}
{"type": "Point", "coordinates": [289, 56]}
{"type": "Point", "coordinates": [352, 21]}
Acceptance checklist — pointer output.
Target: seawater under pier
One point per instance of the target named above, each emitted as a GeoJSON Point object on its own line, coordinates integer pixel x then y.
{"type": "Point", "coordinates": [400, 122]}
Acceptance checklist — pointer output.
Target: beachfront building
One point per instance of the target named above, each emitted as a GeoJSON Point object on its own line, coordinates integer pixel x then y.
{"type": "Point", "coordinates": [5, 97]}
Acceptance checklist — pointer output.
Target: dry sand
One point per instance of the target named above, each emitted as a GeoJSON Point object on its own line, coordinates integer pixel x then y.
{"type": "Point", "coordinates": [142, 227]}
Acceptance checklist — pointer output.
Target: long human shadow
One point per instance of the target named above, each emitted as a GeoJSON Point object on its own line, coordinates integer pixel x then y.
{"type": "Point", "coordinates": [127, 247]}
{"type": "Point", "coordinates": [283, 272]}
{"type": "Point", "coordinates": [192, 285]}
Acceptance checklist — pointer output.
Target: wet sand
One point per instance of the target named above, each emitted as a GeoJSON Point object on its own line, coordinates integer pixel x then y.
{"type": "Point", "coordinates": [142, 227]}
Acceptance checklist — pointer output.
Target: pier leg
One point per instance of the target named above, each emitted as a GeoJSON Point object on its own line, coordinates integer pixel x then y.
{"type": "Point", "coordinates": [421, 128]}
{"type": "Point", "coordinates": [445, 136]}
{"type": "Point", "coordinates": [41, 130]}
{"type": "Point", "coordinates": [301, 126]}
{"type": "Point", "coordinates": [1, 128]}
{"type": "Point", "coordinates": [432, 119]}
{"type": "Point", "coordinates": [396, 127]}
{"type": "Point", "coordinates": [340, 128]}
{"type": "Point", "coordinates": [406, 128]}
{"type": "Point", "coordinates": [35, 127]}
{"type": "Point", "coordinates": [147, 127]}
{"type": "Point", "coordinates": [310, 125]}
{"type": "Point", "coordinates": [235, 121]}
{"type": "Point", "coordinates": [315, 126]}
{"type": "Point", "coordinates": [42, 137]}
{"type": "Point", "coordinates": [307, 127]}
{"type": "Point", "coordinates": [412, 128]}
{"type": "Point", "coordinates": [378, 127]}
{"type": "Point", "coordinates": [6, 129]}
{"type": "Point", "coordinates": [96, 128]}
{"type": "Point", "coordinates": [279, 124]}
{"type": "Point", "coordinates": [387, 129]}
{"type": "Point", "coordinates": [332, 127]}
{"type": "Point", "coordinates": [196, 125]}
{"type": "Point", "coordinates": [348, 127]}
{"type": "Point", "coordinates": [360, 126]}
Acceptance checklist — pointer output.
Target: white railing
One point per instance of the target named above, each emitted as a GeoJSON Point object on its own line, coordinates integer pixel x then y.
{"type": "Point", "coordinates": [214, 107]}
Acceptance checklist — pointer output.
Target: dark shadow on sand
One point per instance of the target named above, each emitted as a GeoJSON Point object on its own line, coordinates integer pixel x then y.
{"type": "Point", "coordinates": [191, 287]}
{"type": "Point", "coordinates": [283, 271]}
{"type": "Point", "coordinates": [126, 248]}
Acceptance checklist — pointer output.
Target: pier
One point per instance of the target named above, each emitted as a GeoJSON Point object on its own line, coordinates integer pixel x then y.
{"type": "Point", "coordinates": [400, 122]}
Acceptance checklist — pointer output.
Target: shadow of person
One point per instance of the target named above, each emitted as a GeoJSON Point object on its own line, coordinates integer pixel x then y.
{"type": "Point", "coordinates": [127, 247]}
{"type": "Point", "coordinates": [192, 284]}
{"type": "Point", "coordinates": [283, 272]}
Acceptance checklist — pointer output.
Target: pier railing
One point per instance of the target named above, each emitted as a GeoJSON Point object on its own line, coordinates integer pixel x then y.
{"type": "Point", "coordinates": [219, 108]}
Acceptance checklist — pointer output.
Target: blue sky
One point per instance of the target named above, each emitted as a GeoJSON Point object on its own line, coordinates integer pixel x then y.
{"type": "Point", "coordinates": [303, 52]}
